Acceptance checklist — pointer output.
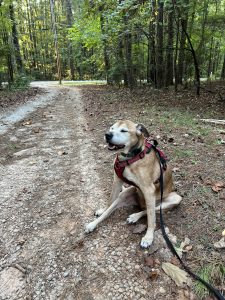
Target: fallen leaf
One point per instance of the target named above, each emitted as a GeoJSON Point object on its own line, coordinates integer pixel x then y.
{"type": "Point", "coordinates": [149, 261]}
{"type": "Point", "coordinates": [172, 237]}
{"type": "Point", "coordinates": [175, 273]}
{"type": "Point", "coordinates": [184, 247]}
{"type": "Point", "coordinates": [220, 244]}
{"type": "Point", "coordinates": [154, 273]}
{"type": "Point", "coordinates": [188, 248]}
{"type": "Point", "coordinates": [217, 186]}
{"type": "Point", "coordinates": [139, 228]}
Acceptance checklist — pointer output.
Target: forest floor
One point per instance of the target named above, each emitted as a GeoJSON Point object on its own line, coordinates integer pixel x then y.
{"type": "Point", "coordinates": [56, 171]}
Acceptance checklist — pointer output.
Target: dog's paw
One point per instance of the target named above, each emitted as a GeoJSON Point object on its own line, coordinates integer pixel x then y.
{"type": "Point", "coordinates": [146, 241]}
{"type": "Point", "coordinates": [99, 212]}
{"type": "Point", "coordinates": [90, 227]}
{"type": "Point", "coordinates": [132, 219]}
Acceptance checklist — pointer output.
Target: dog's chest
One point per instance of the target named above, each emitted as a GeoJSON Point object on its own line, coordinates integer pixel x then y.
{"type": "Point", "coordinates": [130, 175]}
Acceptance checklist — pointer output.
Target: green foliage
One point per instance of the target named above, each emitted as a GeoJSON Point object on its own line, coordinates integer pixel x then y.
{"type": "Point", "coordinates": [87, 32]}
{"type": "Point", "coordinates": [104, 32]}
{"type": "Point", "coordinates": [213, 274]}
{"type": "Point", "coordinates": [21, 82]}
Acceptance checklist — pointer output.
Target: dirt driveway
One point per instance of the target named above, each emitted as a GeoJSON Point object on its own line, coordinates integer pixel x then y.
{"type": "Point", "coordinates": [50, 186]}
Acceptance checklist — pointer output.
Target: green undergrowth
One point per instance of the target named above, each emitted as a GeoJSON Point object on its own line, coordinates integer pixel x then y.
{"type": "Point", "coordinates": [211, 273]}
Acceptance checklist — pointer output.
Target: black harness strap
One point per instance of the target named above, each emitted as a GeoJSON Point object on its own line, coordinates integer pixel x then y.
{"type": "Point", "coordinates": [216, 293]}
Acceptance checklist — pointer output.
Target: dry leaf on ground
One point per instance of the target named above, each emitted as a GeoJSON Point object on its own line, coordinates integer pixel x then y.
{"type": "Point", "coordinates": [154, 273]}
{"type": "Point", "coordinates": [184, 247]}
{"type": "Point", "coordinates": [217, 186]}
{"type": "Point", "coordinates": [175, 273]}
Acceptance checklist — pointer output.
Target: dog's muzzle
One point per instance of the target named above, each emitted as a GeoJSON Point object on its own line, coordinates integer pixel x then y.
{"type": "Point", "coordinates": [108, 136]}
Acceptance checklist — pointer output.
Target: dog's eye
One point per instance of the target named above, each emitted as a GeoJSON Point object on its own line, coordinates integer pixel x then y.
{"type": "Point", "coordinates": [123, 130]}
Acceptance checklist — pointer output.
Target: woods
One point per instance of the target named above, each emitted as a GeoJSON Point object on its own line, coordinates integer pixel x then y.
{"type": "Point", "coordinates": [157, 42]}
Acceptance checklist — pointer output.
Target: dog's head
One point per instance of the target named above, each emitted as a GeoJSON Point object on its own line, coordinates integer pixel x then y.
{"type": "Point", "coordinates": [125, 134]}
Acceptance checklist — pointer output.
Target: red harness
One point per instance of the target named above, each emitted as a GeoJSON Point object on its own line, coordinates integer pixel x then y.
{"type": "Point", "coordinates": [119, 166]}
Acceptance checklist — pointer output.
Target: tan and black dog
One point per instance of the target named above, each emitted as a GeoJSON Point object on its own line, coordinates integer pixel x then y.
{"type": "Point", "coordinates": [142, 173]}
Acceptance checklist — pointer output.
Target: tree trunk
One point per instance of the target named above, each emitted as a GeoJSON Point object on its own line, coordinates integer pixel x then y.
{"type": "Point", "coordinates": [169, 57]}
{"type": "Point", "coordinates": [222, 76]}
{"type": "Point", "coordinates": [18, 57]}
{"type": "Point", "coordinates": [151, 68]}
{"type": "Point", "coordinates": [209, 70]}
{"type": "Point", "coordinates": [55, 40]}
{"type": "Point", "coordinates": [121, 63]}
{"type": "Point", "coordinates": [128, 54]}
{"type": "Point", "coordinates": [159, 56]}
{"type": "Point", "coordinates": [197, 70]}
{"type": "Point", "coordinates": [9, 58]}
{"type": "Point", "coordinates": [105, 46]}
{"type": "Point", "coordinates": [69, 16]}
{"type": "Point", "coordinates": [200, 50]}
{"type": "Point", "coordinates": [181, 57]}
{"type": "Point", "coordinates": [33, 30]}
{"type": "Point", "coordinates": [175, 58]}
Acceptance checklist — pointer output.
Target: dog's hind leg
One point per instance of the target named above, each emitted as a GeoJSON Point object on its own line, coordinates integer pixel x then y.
{"type": "Point", "coordinates": [121, 201]}
{"type": "Point", "coordinates": [172, 200]}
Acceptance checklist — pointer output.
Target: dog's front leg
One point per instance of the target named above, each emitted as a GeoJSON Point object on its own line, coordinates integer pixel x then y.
{"type": "Point", "coordinates": [150, 200]}
{"type": "Point", "coordinates": [116, 189]}
{"type": "Point", "coordinates": [114, 199]}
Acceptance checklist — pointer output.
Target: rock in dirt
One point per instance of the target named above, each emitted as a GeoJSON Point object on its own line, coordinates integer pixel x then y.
{"type": "Point", "coordinates": [220, 244]}
{"type": "Point", "coordinates": [12, 283]}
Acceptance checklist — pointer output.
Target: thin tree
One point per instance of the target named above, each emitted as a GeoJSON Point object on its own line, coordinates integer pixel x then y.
{"type": "Point", "coordinates": [55, 41]}
{"type": "Point", "coordinates": [18, 57]}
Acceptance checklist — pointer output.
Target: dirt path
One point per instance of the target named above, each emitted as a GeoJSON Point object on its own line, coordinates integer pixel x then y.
{"type": "Point", "coordinates": [54, 173]}
{"type": "Point", "coordinates": [49, 189]}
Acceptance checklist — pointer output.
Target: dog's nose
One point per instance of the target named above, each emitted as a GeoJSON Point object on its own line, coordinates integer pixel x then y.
{"type": "Point", "coordinates": [108, 136]}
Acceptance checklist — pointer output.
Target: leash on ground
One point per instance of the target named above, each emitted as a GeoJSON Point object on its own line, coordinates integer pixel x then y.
{"type": "Point", "coordinates": [216, 293]}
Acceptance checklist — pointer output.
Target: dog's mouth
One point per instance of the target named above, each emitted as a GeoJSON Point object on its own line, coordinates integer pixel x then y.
{"type": "Point", "coordinates": [112, 147]}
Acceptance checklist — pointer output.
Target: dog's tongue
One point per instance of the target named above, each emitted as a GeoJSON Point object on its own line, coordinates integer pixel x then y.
{"type": "Point", "coordinates": [114, 147]}
{"type": "Point", "coordinates": [111, 146]}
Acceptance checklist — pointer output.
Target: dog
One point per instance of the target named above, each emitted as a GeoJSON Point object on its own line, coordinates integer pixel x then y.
{"type": "Point", "coordinates": [142, 173]}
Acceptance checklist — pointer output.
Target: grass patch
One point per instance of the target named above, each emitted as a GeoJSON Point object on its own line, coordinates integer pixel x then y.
{"type": "Point", "coordinates": [177, 119]}
{"type": "Point", "coordinates": [84, 82]}
{"type": "Point", "coordinates": [213, 274]}
{"type": "Point", "coordinates": [179, 153]}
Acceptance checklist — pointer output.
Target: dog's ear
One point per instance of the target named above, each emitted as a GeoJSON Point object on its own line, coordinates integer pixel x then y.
{"type": "Point", "coordinates": [140, 129]}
